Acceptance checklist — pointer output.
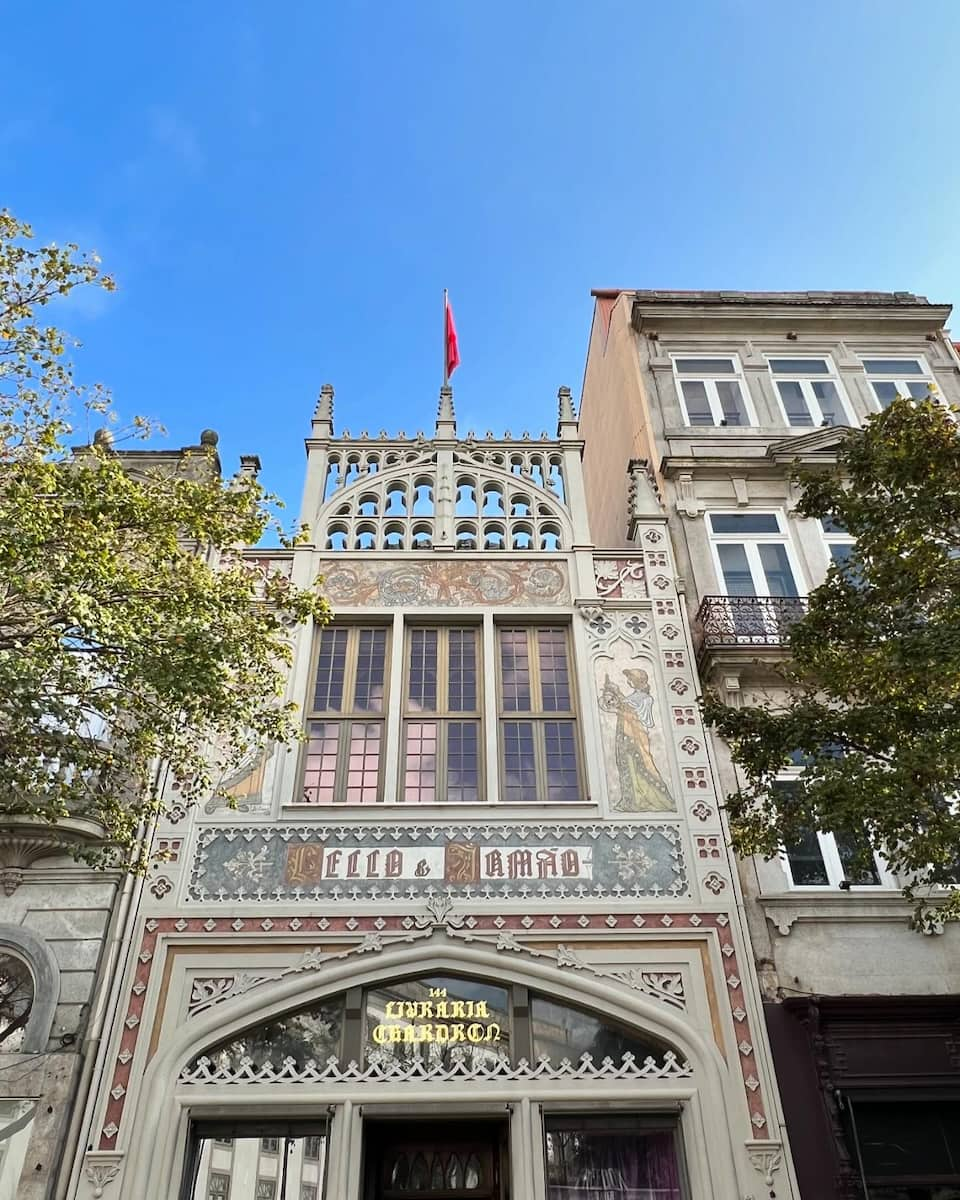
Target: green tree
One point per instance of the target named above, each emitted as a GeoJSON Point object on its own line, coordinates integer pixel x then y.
{"type": "Point", "coordinates": [132, 633]}
{"type": "Point", "coordinates": [871, 695]}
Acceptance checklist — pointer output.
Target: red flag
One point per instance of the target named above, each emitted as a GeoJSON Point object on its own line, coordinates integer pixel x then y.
{"type": "Point", "coordinates": [451, 357]}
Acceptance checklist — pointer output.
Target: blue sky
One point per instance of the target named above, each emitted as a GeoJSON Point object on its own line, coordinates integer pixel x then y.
{"type": "Point", "coordinates": [284, 190]}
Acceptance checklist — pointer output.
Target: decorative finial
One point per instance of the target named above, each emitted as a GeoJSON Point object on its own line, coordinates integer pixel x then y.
{"type": "Point", "coordinates": [565, 404]}
{"type": "Point", "coordinates": [103, 438]}
{"type": "Point", "coordinates": [209, 437]}
{"type": "Point", "coordinates": [446, 417]}
{"type": "Point", "coordinates": [323, 414]}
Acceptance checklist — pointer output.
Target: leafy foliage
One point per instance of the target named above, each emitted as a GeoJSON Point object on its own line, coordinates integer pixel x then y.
{"type": "Point", "coordinates": [874, 673]}
{"type": "Point", "coordinates": [132, 633]}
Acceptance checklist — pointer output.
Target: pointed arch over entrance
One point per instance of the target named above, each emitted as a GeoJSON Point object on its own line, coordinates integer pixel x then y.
{"type": "Point", "coordinates": [685, 1080]}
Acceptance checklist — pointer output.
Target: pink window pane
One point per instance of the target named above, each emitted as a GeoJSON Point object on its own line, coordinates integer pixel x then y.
{"type": "Point", "coordinates": [363, 763]}
{"type": "Point", "coordinates": [420, 772]}
{"type": "Point", "coordinates": [319, 777]}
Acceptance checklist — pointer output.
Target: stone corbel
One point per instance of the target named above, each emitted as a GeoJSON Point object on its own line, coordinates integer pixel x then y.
{"type": "Point", "coordinates": [766, 1157]}
{"type": "Point", "coordinates": [101, 1169]}
{"type": "Point", "coordinates": [740, 490]}
{"type": "Point", "coordinates": [687, 503]}
{"type": "Point", "coordinates": [794, 493]}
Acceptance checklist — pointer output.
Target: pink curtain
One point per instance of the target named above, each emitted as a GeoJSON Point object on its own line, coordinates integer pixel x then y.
{"type": "Point", "coordinates": [614, 1166]}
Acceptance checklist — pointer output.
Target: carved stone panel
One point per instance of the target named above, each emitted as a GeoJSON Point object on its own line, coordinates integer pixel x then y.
{"type": "Point", "coordinates": [441, 584]}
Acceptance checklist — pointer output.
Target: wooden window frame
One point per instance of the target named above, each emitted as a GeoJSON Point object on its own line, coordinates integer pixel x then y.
{"type": "Point", "coordinates": [347, 716]}
{"type": "Point", "coordinates": [536, 715]}
{"type": "Point", "coordinates": [441, 716]}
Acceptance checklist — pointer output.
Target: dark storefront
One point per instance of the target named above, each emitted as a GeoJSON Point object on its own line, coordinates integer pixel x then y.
{"type": "Point", "coordinates": [871, 1095]}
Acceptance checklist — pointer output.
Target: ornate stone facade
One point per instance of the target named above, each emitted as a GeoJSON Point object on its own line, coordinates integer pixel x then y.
{"type": "Point", "coordinates": [587, 873]}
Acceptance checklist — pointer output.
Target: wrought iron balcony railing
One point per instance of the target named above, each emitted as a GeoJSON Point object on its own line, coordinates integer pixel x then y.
{"type": "Point", "coordinates": [747, 620]}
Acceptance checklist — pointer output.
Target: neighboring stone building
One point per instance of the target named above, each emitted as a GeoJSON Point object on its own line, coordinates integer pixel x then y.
{"type": "Point", "coordinates": [63, 932]}
{"type": "Point", "coordinates": [480, 936]}
{"type": "Point", "coordinates": [718, 393]}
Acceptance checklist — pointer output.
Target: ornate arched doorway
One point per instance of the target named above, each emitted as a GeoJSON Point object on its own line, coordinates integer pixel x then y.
{"type": "Point", "coordinates": [447, 1032]}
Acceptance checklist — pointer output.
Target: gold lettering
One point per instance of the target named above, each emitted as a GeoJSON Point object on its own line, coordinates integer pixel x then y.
{"type": "Point", "coordinates": [438, 992]}
{"type": "Point", "coordinates": [396, 1033]}
{"type": "Point", "coordinates": [458, 1009]}
{"type": "Point", "coordinates": [380, 1034]}
{"type": "Point", "coordinates": [480, 1009]}
{"type": "Point", "coordinates": [424, 1033]}
{"type": "Point", "coordinates": [493, 1032]}
{"type": "Point", "coordinates": [441, 1033]}
{"type": "Point", "coordinates": [475, 1033]}
{"type": "Point", "coordinates": [442, 1010]}
{"type": "Point", "coordinates": [457, 1033]}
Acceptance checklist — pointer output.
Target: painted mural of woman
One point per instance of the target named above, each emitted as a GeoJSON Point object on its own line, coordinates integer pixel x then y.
{"type": "Point", "coordinates": [642, 787]}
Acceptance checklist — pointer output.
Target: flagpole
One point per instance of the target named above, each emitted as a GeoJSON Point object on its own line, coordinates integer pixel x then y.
{"type": "Point", "coordinates": [446, 378]}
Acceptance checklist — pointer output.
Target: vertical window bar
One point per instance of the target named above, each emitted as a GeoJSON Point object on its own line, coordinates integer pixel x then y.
{"type": "Point", "coordinates": [515, 670]}
{"type": "Point", "coordinates": [422, 670]}
{"type": "Point", "coordinates": [331, 670]}
{"type": "Point", "coordinates": [371, 665]}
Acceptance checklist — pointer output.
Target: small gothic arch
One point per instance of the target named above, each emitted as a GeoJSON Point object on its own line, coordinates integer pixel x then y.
{"type": "Point", "coordinates": [522, 538]}
{"type": "Point", "coordinates": [493, 538]}
{"type": "Point", "coordinates": [366, 538]}
{"type": "Point", "coordinates": [422, 503]}
{"type": "Point", "coordinates": [549, 537]}
{"type": "Point", "coordinates": [422, 536]}
{"type": "Point", "coordinates": [393, 536]}
{"type": "Point", "coordinates": [493, 501]}
{"type": "Point", "coordinates": [337, 537]}
{"type": "Point", "coordinates": [368, 505]}
{"type": "Point", "coordinates": [520, 506]}
{"type": "Point", "coordinates": [466, 536]}
{"type": "Point", "coordinates": [396, 500]}
{"type": "Point", "coordinates": [466, 503]}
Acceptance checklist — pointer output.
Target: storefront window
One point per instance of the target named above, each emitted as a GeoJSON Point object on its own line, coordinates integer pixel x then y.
{"type": "Point", "coordinates": [560, 1031]}
{"type": "Point", "coordinates": [313, 1033]}
{"type": "Point", "coordinates": [236, 1161]}
{"type": "Point", "coordinates": [610, 1158]}
{"type": "Point", "coordinates": [910, 1149]}
{"type": "Point", "coordinates": [439, 1019]}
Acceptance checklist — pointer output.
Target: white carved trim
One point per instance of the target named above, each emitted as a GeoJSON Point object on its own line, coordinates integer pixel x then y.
{"type": "Point", "coordinates": [463, 1065]}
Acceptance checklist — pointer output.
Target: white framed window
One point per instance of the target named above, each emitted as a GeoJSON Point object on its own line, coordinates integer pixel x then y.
{"type": "Point", "coordinates": [712, 391]}
{"type": "Point", "coordinates": [809, 392]}
{"type": "Point", "coordinates": [753, 555]}
{"type": "Point", "coordinates": [826, 860]}
{"type": "Point", "coordinates": [892, 377]}
{"type": "Point", "coordinates": [837, 540]}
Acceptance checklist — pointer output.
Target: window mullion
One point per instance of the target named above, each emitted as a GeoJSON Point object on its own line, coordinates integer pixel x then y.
{"type": "Point", "coordinates": [540, 757]}
{"type": "Point", "coordinates": [343, 756]}
{"type": "Point", "coordinates": [831, 858]}
{"type": "Point", "coordinates": [713, 399]}
{"type": "Point", "coordinates": [489, 714]}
